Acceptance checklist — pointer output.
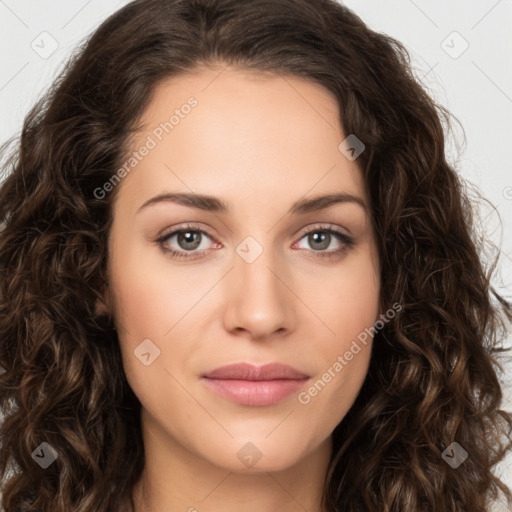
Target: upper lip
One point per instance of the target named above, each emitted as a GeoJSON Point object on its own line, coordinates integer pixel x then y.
{"type": "Point", "coordinates": [246, 371]}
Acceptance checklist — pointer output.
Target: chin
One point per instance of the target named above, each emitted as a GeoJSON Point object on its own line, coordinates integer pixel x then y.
{"type": "Point", "coordinates": [257, 456]}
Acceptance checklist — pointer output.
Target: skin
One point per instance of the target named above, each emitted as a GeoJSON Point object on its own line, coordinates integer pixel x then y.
{"type": "Point", "coordinates": [259, 143]}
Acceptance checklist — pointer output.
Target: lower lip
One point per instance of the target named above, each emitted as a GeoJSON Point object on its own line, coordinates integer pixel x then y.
{"type": "Point", "coordinates": [255, 392]}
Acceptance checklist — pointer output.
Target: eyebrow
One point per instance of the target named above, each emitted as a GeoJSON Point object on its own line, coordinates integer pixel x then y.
{"type": "Point", "coordinates": [214, 204]}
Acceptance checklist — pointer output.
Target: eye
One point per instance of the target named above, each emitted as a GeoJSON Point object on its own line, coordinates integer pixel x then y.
{"type": "Point", "coordinates": [320, 238]}
{"type": "Point", "coordinates": [188, 239]}
{"type": "Point", "coordinates": [190, 242]}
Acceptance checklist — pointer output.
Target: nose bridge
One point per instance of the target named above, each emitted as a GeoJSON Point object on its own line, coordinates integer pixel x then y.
{"type": "Point", "coordinates": [255, 267]}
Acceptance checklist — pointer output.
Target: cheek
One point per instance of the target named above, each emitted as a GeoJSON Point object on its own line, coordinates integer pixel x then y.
{"type": "Point", "coordinates": [349, 306]}
{"type": "Point", "coordinates": [348, 300]}
{"type": "Point", "coordinates": [333, 391]}
{"type": "Point", "coordinates": [144, 311]}
{"type": "Point", "coordinates": [148, 299]}
{"type": "Point", "coordinates": [347, 375]}
{"type": "Point", "coordinates": [151, 303]}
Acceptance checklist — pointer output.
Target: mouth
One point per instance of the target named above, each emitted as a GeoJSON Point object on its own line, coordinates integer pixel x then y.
{"type": "Point", "coordinates": [255, 385]}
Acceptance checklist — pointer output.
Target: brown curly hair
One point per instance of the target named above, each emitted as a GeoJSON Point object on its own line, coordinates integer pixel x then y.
{"type": "Point", "coordinates": [433, 377]}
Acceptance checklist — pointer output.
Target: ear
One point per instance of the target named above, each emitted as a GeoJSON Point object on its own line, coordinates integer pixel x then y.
{"type": "Point", "coordinates": [102, 307]}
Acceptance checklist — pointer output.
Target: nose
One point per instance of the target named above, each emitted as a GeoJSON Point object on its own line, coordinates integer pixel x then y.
{"type": "Point", "coordinates": [259, 299]}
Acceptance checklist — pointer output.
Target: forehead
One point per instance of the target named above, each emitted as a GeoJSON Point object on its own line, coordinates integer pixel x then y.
{"type": "Point", "coordinates": [230, 132]}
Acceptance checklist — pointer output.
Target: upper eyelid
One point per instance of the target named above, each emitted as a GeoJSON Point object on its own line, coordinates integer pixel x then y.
{"type": "Point", "coordinates": [191, 227]}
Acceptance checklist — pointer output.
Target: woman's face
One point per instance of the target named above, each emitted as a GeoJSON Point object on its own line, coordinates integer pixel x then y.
{"type": "Point", "coordinates": [259, 281]}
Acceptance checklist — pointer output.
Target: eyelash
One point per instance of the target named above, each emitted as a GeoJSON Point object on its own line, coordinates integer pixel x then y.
{"type": "Point", "coordinates": [182, 255]}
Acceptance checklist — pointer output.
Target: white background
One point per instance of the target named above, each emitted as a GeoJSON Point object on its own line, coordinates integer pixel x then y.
{"type": "Point", "coordinates": [474, 83]}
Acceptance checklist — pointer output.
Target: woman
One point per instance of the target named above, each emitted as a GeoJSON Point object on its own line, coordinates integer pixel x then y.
{"type": "Point", "coordinates": [173, 336]}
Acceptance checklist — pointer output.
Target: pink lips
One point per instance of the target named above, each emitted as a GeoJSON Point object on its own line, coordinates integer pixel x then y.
{"type": "Point", "coordinates": [255, 385]}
